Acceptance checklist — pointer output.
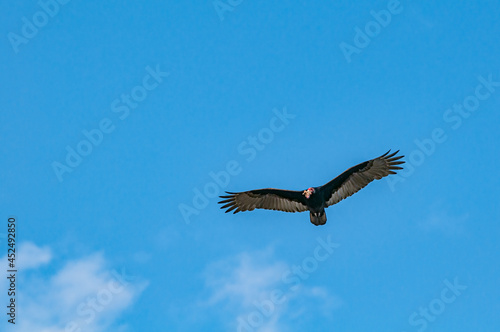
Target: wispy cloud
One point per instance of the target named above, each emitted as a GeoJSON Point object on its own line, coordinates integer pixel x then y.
{"type": "Point", "coordinates": [260, 294]}
{"type": "Point", "coordinates": [32, 256]}
{"type": "Point", "coordinates": [239, 278]}
{"type": "Point", "coordinates": [442, 221]}
{"type": "Point", "coordinates": [83, 295]}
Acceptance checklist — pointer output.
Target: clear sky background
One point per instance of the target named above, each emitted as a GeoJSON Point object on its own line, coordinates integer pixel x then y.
{"type": "Point", "coordinates": [129, 236]}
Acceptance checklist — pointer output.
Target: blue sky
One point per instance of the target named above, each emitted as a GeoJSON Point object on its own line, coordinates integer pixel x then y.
{"type": "Point", "coordinates": [118, 116]}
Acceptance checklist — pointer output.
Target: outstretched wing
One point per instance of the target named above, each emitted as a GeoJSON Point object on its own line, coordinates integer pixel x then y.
{"type": "Point", "coordinates": [270, 199]}
{"type": "Point", "coordinates": [357, 177]}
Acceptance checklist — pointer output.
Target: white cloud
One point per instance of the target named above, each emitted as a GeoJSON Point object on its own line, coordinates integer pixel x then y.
{"type": "Point", "coordinates": [244, 286]}
{"type": "Point", "coordinates": [240, 278]}
{"type": "Point", "coordinates": [85, 293]}
{"type": "Point", "coordinates": [32, 256]}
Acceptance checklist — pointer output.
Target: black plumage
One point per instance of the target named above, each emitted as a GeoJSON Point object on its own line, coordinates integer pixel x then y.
{"type": "Point", "coordinates": [315, 199]}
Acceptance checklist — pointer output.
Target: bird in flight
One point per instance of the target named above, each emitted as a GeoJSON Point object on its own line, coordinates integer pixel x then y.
{"type": "Point", "coordinates": [314, 199]}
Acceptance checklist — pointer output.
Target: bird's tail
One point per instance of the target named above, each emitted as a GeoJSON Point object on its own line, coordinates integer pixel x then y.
{"type": "Point", "coordinates": [318, 218]}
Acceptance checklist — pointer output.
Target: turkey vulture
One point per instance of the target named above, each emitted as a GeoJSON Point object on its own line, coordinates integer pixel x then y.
{"type": "Point", "coordinates": [315, 199]}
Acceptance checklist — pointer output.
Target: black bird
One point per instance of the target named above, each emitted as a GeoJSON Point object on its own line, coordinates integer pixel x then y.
{"type": "Point", "coordinates": [315, 199]}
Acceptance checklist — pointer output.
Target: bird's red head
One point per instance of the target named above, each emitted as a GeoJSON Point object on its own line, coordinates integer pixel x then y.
{"type": "Point", "coordinates": [308, 192]}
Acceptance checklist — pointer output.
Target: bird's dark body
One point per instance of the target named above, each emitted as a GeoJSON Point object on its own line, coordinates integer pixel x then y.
{"type": "Point", "coordinates": [315, 199]}
{"type": "Point", "coordinates": [316, 206]}
{"type": "Point", "coordinates": [316, 202]}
